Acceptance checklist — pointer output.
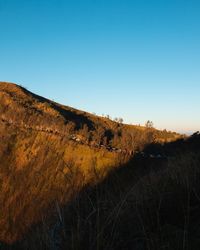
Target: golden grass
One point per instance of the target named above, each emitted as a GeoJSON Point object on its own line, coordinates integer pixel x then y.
{"type": "Point", "coordinates": [40, 165]}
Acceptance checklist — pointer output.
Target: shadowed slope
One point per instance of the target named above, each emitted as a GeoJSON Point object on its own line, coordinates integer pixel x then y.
{"type": "Point", "coordinates": [49, 151]}
{"type": "Point", "coordinates": [146, 204]}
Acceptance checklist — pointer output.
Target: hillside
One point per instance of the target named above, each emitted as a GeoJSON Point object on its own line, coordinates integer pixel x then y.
{"type": "Point", "coordinates": [48, 152]}
{"type": "Point", "coordinates": [26, 110]}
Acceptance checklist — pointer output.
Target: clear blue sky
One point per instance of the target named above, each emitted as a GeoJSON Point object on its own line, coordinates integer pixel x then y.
{"type": "Point", "coordinates": [136, 59]}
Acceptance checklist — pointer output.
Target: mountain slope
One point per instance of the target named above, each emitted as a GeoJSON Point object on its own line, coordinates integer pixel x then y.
{"type": "Point", "coordinates": [49, 151]}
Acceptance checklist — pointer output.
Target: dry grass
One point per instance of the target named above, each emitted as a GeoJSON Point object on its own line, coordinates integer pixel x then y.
{"type": "Point", "coordinates": [40, 166]}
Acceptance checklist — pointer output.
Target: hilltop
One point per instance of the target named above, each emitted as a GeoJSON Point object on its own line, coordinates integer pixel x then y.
{"type": "Point", "coordinates": [49, 151]}
{"type": "Point", "coordinates": [24, 109]}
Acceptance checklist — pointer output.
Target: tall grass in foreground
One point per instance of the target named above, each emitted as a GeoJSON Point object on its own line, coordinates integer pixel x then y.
{"type": "Point", "coordinates": [155, 209]}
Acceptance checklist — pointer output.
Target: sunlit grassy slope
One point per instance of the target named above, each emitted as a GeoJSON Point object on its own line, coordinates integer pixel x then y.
{"type": "Point", "coordinates": [49, 151]}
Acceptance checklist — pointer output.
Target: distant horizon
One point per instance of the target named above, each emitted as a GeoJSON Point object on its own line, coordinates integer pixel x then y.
{"type": "Point", "coordinates": [138, 60]}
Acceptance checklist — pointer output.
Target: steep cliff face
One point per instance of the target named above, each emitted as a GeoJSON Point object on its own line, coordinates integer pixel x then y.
{"type": "Point", "coordinates": [49, 151]}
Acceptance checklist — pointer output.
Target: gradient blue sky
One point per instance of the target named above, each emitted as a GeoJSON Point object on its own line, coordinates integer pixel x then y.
{"type": "Point", "coordinates": [136, 59]}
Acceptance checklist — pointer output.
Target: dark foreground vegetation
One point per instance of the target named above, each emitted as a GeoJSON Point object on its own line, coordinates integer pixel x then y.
{"type": "Point", "coordinates": [147, 204]}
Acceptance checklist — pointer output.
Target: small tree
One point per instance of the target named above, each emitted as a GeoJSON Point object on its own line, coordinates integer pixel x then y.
{"type": "Point", "coordinates": [120, 120]}
{"type": "Point", "coordinates": [116, 119]}
{"type": "Point", "coordinates": [149, 124]}
{"type": "Point", "coordinates": [107, 116]}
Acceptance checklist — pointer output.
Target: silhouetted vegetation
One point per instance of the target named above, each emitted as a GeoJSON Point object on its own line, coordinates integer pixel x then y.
{"type": "Point", "coordinates": [148, 203]}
